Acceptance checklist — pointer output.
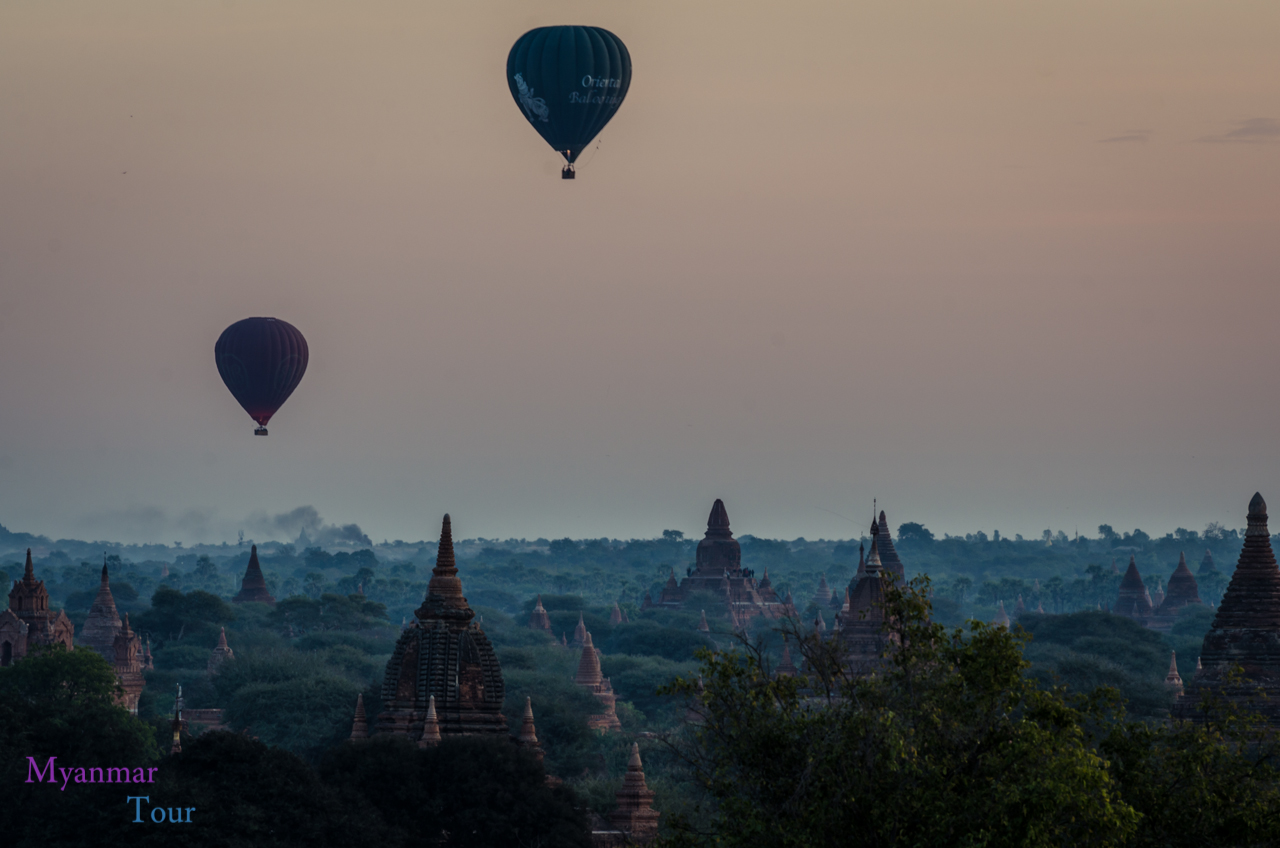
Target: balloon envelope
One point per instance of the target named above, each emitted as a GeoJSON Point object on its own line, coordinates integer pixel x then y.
{"type": "Point", "coordinates": [261, 360]}
{"type": "Point", "coordinates": [569, 81]}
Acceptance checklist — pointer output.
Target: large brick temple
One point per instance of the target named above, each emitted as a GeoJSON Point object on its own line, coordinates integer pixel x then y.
{"type": "Point", "coordinates": [718, 571]}
{"type": "Point", "coordinates": [1245, 637]}
{"type": "Point", "coordinates": [443, 655]}
{"type": "Point", "coordinates": [29, 622]}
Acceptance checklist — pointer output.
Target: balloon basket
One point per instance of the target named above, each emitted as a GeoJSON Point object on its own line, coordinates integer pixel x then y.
{"type": "Point", "coordinates": [567, 172]}
{"type": "Point", "coordinates": [261, 431]}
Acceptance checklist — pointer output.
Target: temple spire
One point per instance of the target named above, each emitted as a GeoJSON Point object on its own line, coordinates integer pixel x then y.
{"type": "Point", "coordinates": [702, 624]}
{"type": "Point", "coordinates": [29, 573]}
{"type": "Point", "coordinates": [444, 598]}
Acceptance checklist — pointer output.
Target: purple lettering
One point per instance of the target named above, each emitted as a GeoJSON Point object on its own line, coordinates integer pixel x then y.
{"type": "Point", "coordinates": [31, 764]}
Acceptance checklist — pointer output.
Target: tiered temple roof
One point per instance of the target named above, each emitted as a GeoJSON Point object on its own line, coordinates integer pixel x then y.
{"type": "Point", "coordinates": [634, 814]}
{"type": "Point", "coordinates": [1133, 601]}
{"type": "Point", "coordinates": [445, 655]}
{"type": "Point", "coordinates": [254, 586]}
{"type": "Point", "coordinates": [889, 559]}
{"type": "Point", "coordinates": [103, 622]}
{"type": "Point", "coordinates": [528, 736]}
{"type": "Point", "coordinates": [718, 571]}
{"type": "Point", "coordinates": [1246, 631]}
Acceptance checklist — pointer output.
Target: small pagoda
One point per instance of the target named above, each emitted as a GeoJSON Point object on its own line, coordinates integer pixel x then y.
{"type": "Point", "coordinates": [590, 678]}
{"type": "Point", "coordinates": [253, 589]}
{"type": "Point", "coordinates": [1183, 591]}
{"type": "Point", "coordinates": [1133, 600]}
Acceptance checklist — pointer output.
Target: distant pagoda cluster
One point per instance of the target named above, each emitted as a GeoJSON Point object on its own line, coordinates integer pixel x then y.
{"type": "Point", "coordinates": [29, 623]}
{"type": "Point", "coordinates": [718, 571]}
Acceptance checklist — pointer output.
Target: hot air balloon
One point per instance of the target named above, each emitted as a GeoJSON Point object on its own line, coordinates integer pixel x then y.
{"type": "Point", "coordinates": [569, 80]}
{"type": "Point", "coordinates": [261, 360]}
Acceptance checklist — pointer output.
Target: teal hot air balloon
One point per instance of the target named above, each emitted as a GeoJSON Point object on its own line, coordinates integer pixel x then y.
{"type": "Point", "coordinates": [568, 81]}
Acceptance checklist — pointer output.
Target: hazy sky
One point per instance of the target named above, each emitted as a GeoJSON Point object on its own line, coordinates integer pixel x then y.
{"type": "Point", "coordinates": [1002, 265]}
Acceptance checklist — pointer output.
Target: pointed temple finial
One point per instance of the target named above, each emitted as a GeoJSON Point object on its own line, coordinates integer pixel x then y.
{"type": "Point", "coordinates": [360, 723]}
{"type": "Point", "coordinates": [29, 573]}
{"type": "Point", "coordinates": [104, 568]}
{"type": "Point", "coordinates": [615, 615]}
{"type": "Point", "coordinates": [444, 598]}
{"type": "Point", "coordinates": [588, 665]}
{"type": "Point", "coordinates": [1002, 618]}
{"type": "Point", "coordinates": [702, 624]}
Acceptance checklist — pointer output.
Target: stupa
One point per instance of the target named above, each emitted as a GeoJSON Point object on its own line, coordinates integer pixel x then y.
{"type": "Point", "coordinates": [1245, 633]}
{"type": "Point", "coordinates": [821, 595]}
{"type": "Point", "coordinates": [634, 817]}
{"type": "Point", "coordinates": [103, 622]}
{"type": "Point", "coordinates": [1133, 601]}
{"type": "Point", "coordinates": [889, 560]}
{"type": "Point", "coordinates": [254, 586]}
{"type": "Point", "coordinates": [538, 619]}
{"type": "Point", "coordinates": [445, 655]}
{"type": "Point", "coordinates": [590, 678]}
{"type": "Point", "coordinates": [1183, 592]}
{"type": "Point", "coordinates": [220, 653]}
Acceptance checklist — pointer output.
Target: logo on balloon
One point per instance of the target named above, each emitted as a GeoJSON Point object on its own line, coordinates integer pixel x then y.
{"type": "Point", "coordinates": [533, 106]}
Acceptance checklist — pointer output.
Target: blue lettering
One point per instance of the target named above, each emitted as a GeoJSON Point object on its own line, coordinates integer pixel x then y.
{"type": "Point", "coordinates": [137, 805]}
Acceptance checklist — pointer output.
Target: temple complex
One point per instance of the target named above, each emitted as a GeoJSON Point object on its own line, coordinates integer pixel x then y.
{"type": "Point", "coordinates": [1245, 633]}
{"type": "Point", "coordinates": [128, 666]}
{"type": "Point", "coordinates": [590, 678]}
{"type": "Point", "coordinates": [1133, 601]}
{"type": "Point", "coordinates": [443, 655]}
{"type": "Point", "coordinates": [718, 571]}
{"type": "Point", "coordinates": [103, 622]}
{"type": "Point", "coordinates": [1183, 592]}
{"type": "Point", "coordinates": [538, 619]}
{"type": "Point", "coordinates": [29, 622]}
{"type": "Point", "coordinates": [220, 654]}
{"type": "Point", "coordinates": [254, 586]}
{"type": "Point", "coordinates": [633, 821]}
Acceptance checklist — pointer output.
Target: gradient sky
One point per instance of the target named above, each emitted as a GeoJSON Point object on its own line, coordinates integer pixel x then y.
{"type": "Point", "coordinates": [1001, 265]}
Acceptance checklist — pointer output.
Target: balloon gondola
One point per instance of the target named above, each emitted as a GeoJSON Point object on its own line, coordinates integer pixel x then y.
{"type": "Point", "coordinates": [569, 81]}
{"type": "Point", "coordinates": [261, 360]}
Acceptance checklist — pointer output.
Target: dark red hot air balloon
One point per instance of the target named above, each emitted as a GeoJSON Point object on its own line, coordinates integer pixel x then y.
{"type": "Point", "coordinates": [261, 360]}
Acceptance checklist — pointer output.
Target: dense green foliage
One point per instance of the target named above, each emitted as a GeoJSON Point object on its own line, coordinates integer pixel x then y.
{"type": "Point", "coordinates": [953, 742]}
